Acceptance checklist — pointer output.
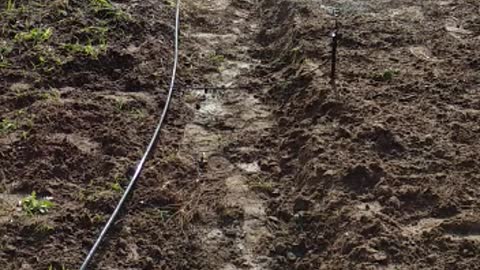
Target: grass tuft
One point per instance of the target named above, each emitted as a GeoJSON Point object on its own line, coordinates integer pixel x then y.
{"type": "Point", "coordinates": [33, 206]}
{"type": "Point", "coordinates": [7, 126]}
{"type": "Point", "coordinates": [36, 35]}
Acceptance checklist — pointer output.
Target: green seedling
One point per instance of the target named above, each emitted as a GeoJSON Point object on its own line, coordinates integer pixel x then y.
{"type": "Point", "coordinates": [101, 4]}
{"type": "Point", "coordinates": [387, 75]}
{"type": "Point", "coordinates": [33, 206]}
{"type": "Point", "coordinates": [138, 114]}
{"type": "Point", "coordinates": [105, 7]}
{"type": "Point", "coordinates": [96, 34]}
{"type": "Point", "coordinates": [4, 63]}
{"type": "Point", "coordinates": [5, 50]}
{"type": "Point", "coordinates": [87, 50]}
{"type": "Point", "coordinates": [51, 267]}
{"type": "Point", "coordinates": [36, 35]}
{"type": "Point", "coordinates": [266, 187]}
{"type": "Point", "coordinates": [7, 126]}
{"type": "Point", "coordinates": [43, 228]}
{"type": "Point", "coordinates": [10, 5]}
{"type": "Point", "coordinates": [164, 214]}
{"type": "Point", "coordinates": [171, 3]}
{"type": "Point", "coordinates": [117, 184]}
{"type": "Point", "coordinates": [53, 96]}
{"type": "Point", "coordinates": [120, 105]}
{"type": "Point", "coordinates": [116, 187]}
{"type": "Point", "coordinates": [217, 59]}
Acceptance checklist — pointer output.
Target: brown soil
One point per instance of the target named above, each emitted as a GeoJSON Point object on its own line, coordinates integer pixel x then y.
{"type": "Point", "coordinates": [284, 171]}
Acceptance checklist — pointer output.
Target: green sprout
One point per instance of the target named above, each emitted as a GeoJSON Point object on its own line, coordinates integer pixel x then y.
{"type": "Point", "coordinates": [116, 187]}
{"type": "Point", "coordinates": [386, 76]}
{"type": "Point", "coordinates": [217, 59]}
{"type": "Point", "coordinates": [7, 126]}
{"type": "Point", "coordinates": [36, 34]}
{"type": "Point", "coordinates": [87, 50]}
{"type": "Point", "coordinates": [10, 5]}
{"type": "Point", "coordinates": [34, 206]}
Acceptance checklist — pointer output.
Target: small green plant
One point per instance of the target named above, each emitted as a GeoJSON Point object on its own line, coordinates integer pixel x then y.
{"type": "Point", "coordinates": [117, 184]}
{"type": "Point", "coordinates": [87, 50]}
{"type": "Point", "coordinates": [171, 3]}
{"type": "Point", "coordinates": [261, 186]}
{"type": "Point", "coordinates": [10, 5]}
{"type": "Point", "coordinates": [43, 228]}
{"type": "Point", "coordinates": [24, 135]}
{"type": "Point", "coordinates": [164, 214]}
{"type": "Point", "coordinates": [116, 187]}
{"type": "Point", "coordinates": [52, 95]}
{"type": "Point", "coordinates": [216, 59]}
{"type": "Point", "coordinates": [96, 34]}
{"type": "Point", "coordinates": [7, 126]}
{"type": "Point", "coordinates": [4, 63]}
{"type": "Point", "coordinates": [101, 4]}
{"type": "Point", "coordinates": [52, 268]}
{"type": "Point", "coordinates": [33, 206]}
{"type": "Point", "coordinates": [106, 8]}
{"type": "Point", "coordinates": [137, 114]}
{"type": "Point", "coordinates": [387, 75]}
{"type": "Point", "coordinates": [120, 105]}
{"type": "Point", "coordinates": [36, 35]}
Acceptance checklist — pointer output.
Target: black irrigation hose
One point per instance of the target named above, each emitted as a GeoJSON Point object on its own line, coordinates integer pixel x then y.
{"type": "Point", "coordinates": [147, 153]}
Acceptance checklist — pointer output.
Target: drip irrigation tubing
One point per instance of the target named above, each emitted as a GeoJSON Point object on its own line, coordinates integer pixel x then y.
{"type": "Point", "coordinates": [148, 151]}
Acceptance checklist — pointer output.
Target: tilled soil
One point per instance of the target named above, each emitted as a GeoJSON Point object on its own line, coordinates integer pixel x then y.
{"type": "Point", "coordinates": [277, 169]}
{"type": "Point", "coordinates": [379, 171]}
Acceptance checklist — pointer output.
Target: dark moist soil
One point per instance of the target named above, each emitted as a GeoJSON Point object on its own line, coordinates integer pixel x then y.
{"type": "Point", "coordinates": [74, 123]}
{"type": "Point", "coordinates": [381, 173]}
{"type": "Point", "coordinates": [378, 172]}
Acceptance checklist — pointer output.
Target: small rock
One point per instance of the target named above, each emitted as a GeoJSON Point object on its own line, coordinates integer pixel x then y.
{"type": "Point", "coordinates": [291, 256]}
{"type": "Point", "coordinates": [9, 248]}
{"type": "Point", "coordinates": [432, 258]}
{"type": "Point", "coordinates": [379, 257]}
{"type": "Point", "coordinates": [394, 202]}
{"type": "Point", "coordinates": [26, 266]}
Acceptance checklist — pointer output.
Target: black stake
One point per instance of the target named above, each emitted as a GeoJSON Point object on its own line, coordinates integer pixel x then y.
{"type": "Point", "coordinates": [334, 36]}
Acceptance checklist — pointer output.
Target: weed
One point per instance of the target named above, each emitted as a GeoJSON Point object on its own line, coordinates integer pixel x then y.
{"type": "Point", "coordinates": [98, 219]}
{"type": "Point", "coordinates": [117, 184]}
{"type": "Point", "coordinates": [262, 186]}
{"type": "Point", "coordinates": [52, 268]}
{"type": "Point", "coordinates": [52, 96]}
{"type": "Point", "coordinates": [190, 98]}
{"type": "Point", "coordinates": [116, 187]}
{"type": "Point", "coordinates": [101, 4]}
{"type": "Point", "coordinates": [10, 5]}
{"type": "Point", "coordinates": [43, 228]}
{"type": "Point", "coordinates": [120, 105]}
{"type": "Point", "coordinates": [87, 50]}
{"type": "Point", "coordinates": [106, 8]}
{"type": "Point", "coordinates": [5, 49]}
{"type": "Point", "coordinates": [216, 59]}
{"type": "Point", "coordinates": [171, 158]}
{"type": "Point", "coordinates": [138, 114]}
{"type": "Point", "coordinates": [34, 206]}
{"type": "Point", "coordinates": [164, 214]}
{"type": "Point", "coordinates": [386, 76]}
{"type": "Point", "coordinates": [7, 126]}
{"type": "Point", "coordinates": [36, 35]}
{"type": "Point", "coordinates": [4, 63]}
{"type": "Point", "coordinates": [96, 34]}
{"type": "Point", "coordinates": [24, 135]}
